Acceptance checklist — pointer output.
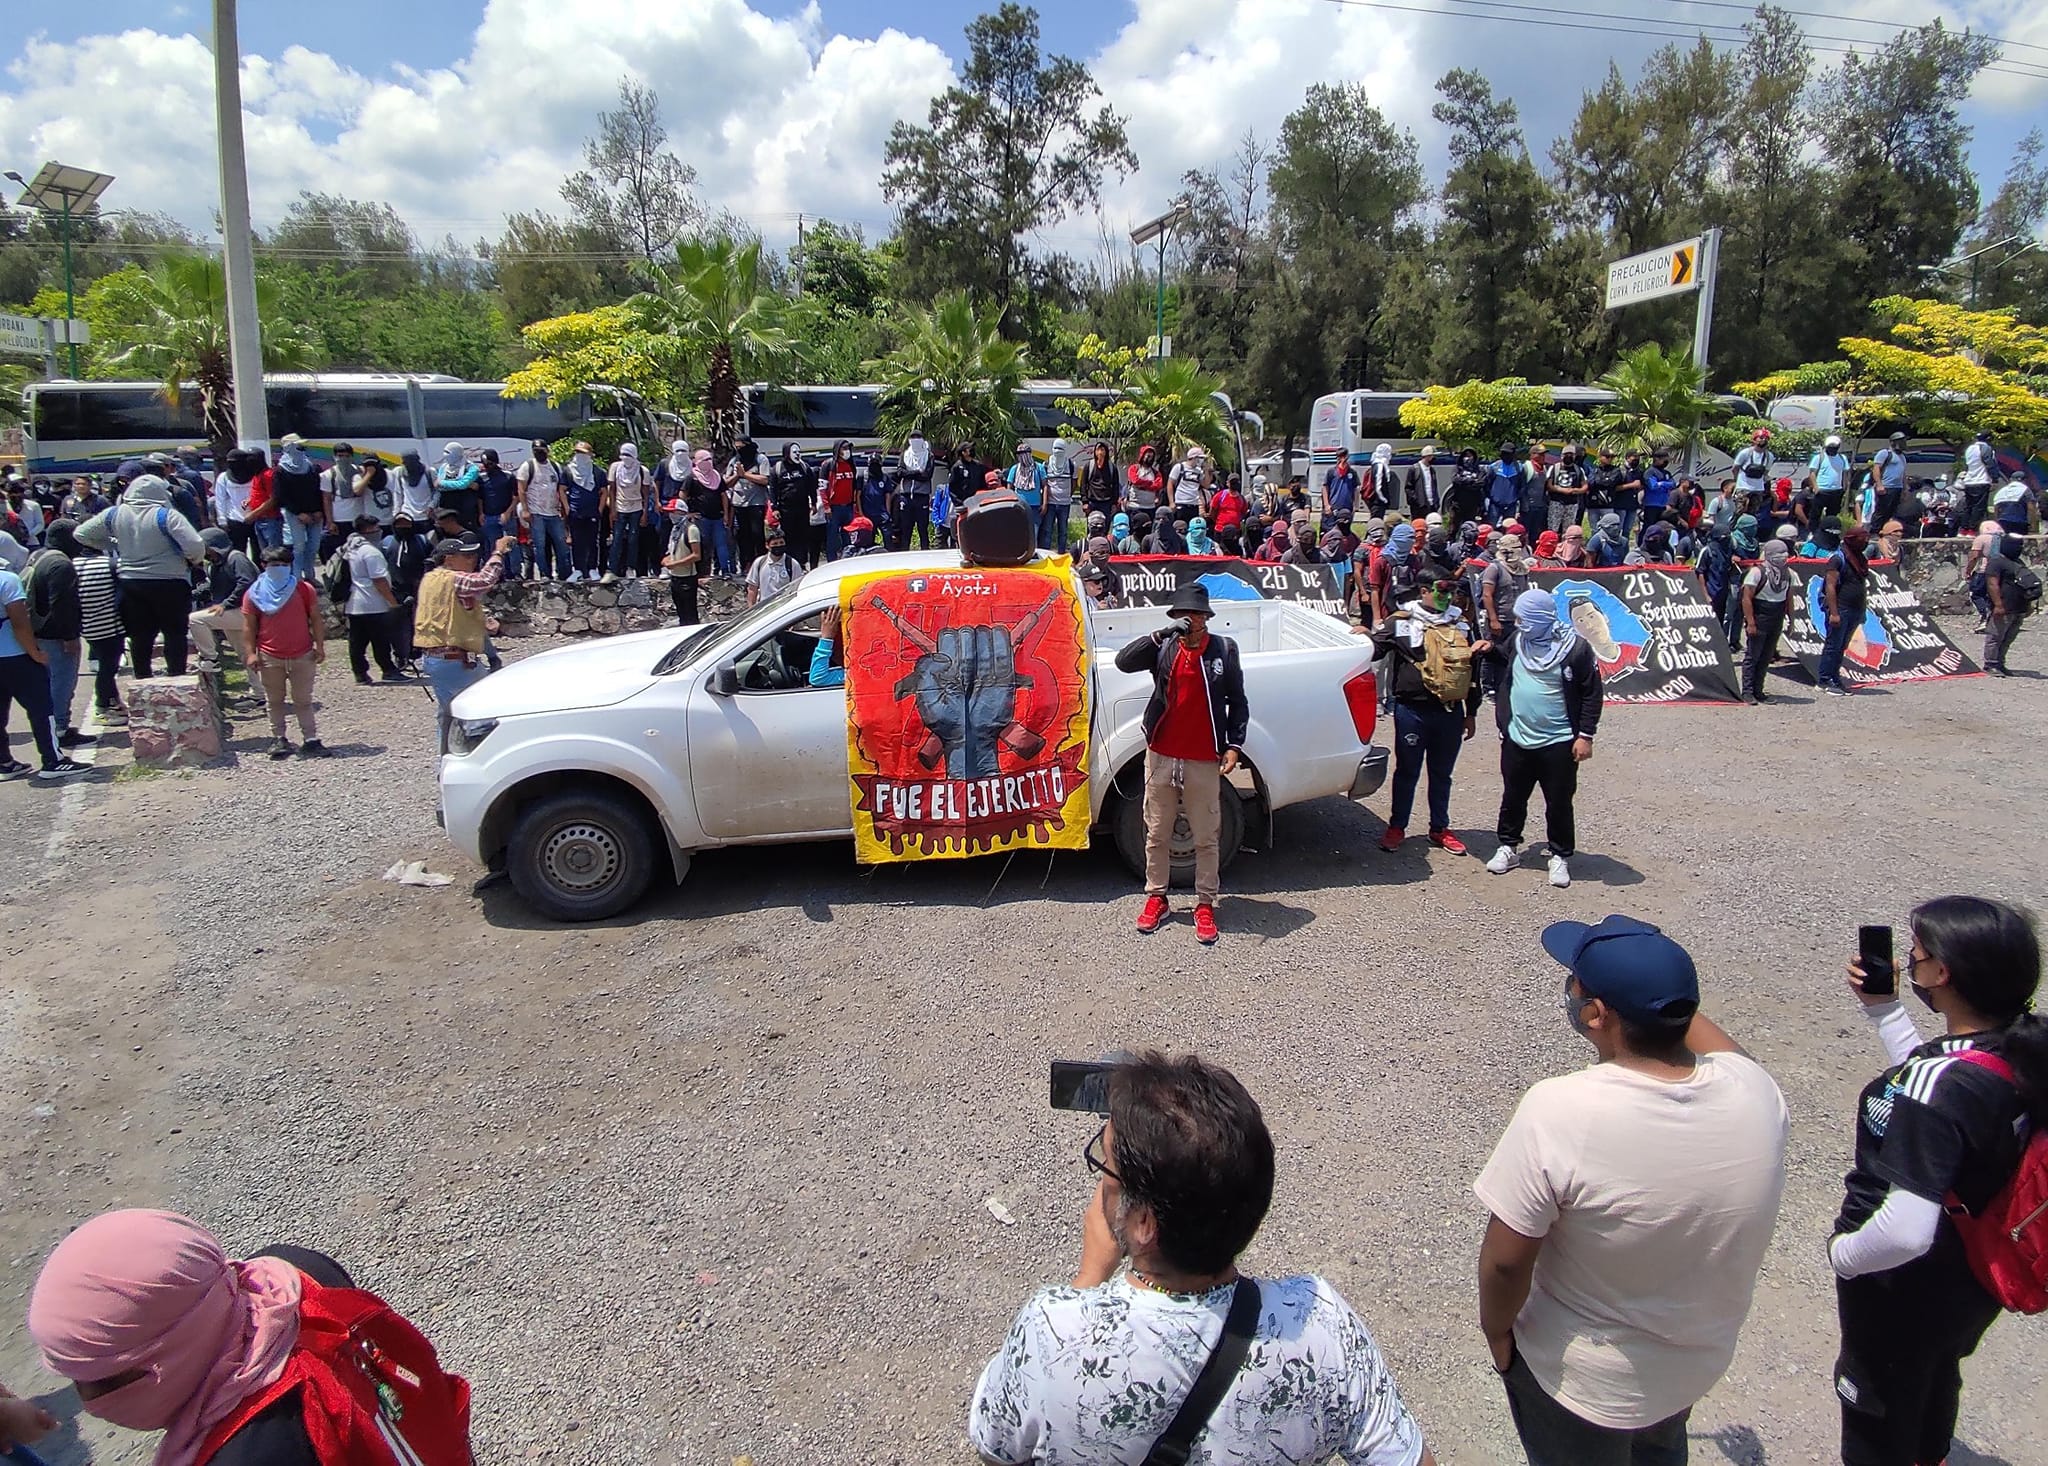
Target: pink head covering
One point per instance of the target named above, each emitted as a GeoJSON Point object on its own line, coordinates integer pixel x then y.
{"type": "Point", "coordinates": [700, 467]}
{"type": "Point", "coordinates": [152, 1290]}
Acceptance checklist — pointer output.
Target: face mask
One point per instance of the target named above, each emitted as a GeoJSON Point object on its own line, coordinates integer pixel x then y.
{"type": "Point", "coordinates": [137, 1405]}
{"type": "Point", "coordinates": [1573, 1005]}
{"type": "Point", "coordinates": [278, 576]}
{"type": "Point", "coordinates": [1440, 599]}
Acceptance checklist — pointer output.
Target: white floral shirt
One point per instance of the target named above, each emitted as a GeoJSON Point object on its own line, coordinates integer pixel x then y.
{"type": "Point", "coordinates": [1092, 1376]}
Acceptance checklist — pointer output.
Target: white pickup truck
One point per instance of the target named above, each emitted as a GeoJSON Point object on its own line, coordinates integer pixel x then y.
{"type": "Point", "coordinates": [576, 770]}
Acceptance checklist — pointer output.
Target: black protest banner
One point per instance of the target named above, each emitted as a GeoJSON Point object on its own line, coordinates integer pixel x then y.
{"type": "Point", "coordinates": [1897, 642]}
{"type": "Point", "coordinates": [1151, 580]}
{"type": "Point", "coordinates": [1652, 630]}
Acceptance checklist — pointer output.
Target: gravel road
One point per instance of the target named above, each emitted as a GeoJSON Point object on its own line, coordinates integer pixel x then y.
{"type": "Point", "coordinates": [710, 1180]}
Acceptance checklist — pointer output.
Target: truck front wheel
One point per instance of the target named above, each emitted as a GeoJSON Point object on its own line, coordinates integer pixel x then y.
{"type": "Point", "coordinates": [581, 854]}
{"type": "Point", "coordinates": [1130, 834]}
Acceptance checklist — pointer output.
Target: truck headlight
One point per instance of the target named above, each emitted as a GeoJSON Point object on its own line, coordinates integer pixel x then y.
{"type": "Point", "coordinates": [466, 733]}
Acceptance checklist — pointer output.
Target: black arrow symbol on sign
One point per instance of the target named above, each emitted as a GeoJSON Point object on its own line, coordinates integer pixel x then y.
{"type": "Point", "coordinates": [1681, 266]}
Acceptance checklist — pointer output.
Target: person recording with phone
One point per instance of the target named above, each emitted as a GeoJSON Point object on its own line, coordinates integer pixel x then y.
{"type": "Point", "coordinates": [1161, 1350]}
{"type": "Point", "coordinates": [1945, 1124]}
{"type": "Point", "coordinates": [1195, 725]}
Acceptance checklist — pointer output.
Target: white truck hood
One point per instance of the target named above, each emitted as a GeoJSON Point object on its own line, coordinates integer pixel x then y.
{"type": "Point", "coordinates": [591, 674]}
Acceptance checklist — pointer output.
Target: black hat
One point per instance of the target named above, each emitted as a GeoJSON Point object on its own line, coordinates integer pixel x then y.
{"type": "Point", "coordinates": [461, 544]}
{"type": "Point", "coordinates": [1191, 599]}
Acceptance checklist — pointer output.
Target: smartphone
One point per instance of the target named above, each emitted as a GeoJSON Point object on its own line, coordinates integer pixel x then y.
{"type": "Point", "coordinates": [1081, 1086]}
{"type": "Point", "coordinates": [1874, 953]}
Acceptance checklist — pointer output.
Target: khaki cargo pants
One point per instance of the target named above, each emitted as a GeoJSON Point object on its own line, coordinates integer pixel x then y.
{"type": "Point", "coordinates": [1199, 796]}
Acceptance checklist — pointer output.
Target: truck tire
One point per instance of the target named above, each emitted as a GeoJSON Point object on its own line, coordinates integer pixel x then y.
{"type": "Point", "coordinates": [1130, 834]}
{"type": "Point", "coordinates": [581, 854]}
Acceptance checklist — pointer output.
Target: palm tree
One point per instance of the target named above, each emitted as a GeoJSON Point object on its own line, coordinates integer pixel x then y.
{"type": "Point", "coordinates": [954, 378]}
{"type": "Point", "coordinates": [1173, 403]}
{"type": "Point", "coordinates": [1660, 400]}
{"type": "Point", "coordinates": [726, 325]}
{"type": "Point", "coordinates": [171, 323]}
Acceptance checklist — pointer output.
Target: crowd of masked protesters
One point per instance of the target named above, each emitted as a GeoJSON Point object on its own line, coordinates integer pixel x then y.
{"type": "Point", "coordinates": [1624, 1214]}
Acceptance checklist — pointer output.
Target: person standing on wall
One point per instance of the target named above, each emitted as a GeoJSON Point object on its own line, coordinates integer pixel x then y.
{"type": "Point", "coordinates": [1195, 725]}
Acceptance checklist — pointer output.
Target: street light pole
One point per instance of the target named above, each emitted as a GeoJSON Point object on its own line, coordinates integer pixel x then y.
{"type": "Point", "coordinates": [1160, 353]}
{"type": "Point", "coordinates": [238, 255]}
{"type": "Point", "coordinates": [70, 299]}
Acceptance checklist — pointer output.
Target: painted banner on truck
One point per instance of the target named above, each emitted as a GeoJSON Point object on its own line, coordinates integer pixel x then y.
{"type": "Point", "coordinates": [1652, 630]}
{"type": "Point", "coordinates": [1151, 580]}
{"type": "Point", "coordinates": [966, 711]}
{"type": "Point", "coordinates": [1897, 640]}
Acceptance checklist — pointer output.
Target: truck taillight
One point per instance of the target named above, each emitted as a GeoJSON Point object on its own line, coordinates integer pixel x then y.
{"type": "Point", "coordinates": [1362, 696]}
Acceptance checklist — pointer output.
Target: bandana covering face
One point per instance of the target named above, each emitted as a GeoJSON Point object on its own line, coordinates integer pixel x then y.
{"type": "Point", "coordinates": [1544, 640]}
{"type": "Point", "coordinates": [153, 1291]}
{"type": "Point", "coordinates": [702, 471]}
{"type": "Point", "coordinates": [273, 588]}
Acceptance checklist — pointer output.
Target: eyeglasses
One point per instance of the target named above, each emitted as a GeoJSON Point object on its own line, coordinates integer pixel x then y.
{"type": "Point", "coordinates": [1091, 1153]}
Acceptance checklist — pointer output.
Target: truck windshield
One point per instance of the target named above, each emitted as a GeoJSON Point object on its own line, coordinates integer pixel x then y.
{"type": "Point", "coordinates": [738, 631]}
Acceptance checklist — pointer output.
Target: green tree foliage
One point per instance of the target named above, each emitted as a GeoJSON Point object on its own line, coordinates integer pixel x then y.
{"type": "Point", "coordinates": [726, 327]}
{"type": "Point", "coordinates": [1223, 251]}
{"type": "Point", "coordinates": [1891, 127]}
{"type": "Point", "coordinates": [1012, 146]}
{"type": "Point", "coordinates": [169, 324]}
{"type": "Point", "coordinates": [1495, 232]}
{"type": "Point", "coordinates": [632, 189]}
{"type": "Point", "coordinates": [363, 240]}
{"type": "Point", "coordinates": [954, 378]}
{"type": "Point", "coordinates": [546, 266]}
{"type": "Point", "coordinates": [1481, 415]}
{"type": "Point", "coordinates": [1660, 400]}
{"type": "Point", "coordinates": [2012, 275]}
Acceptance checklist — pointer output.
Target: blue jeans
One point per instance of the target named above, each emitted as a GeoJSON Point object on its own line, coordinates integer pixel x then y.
{"type": "Point", "coordinates": [1429, 735]}
{"type": "Point", "coordinates": [1829, 673]}
{"type": "Point", "coordinates": [269, 532]}
{"type": "Point", "coordinates": [719, 539]}
{"type": "Point", "coordinates": [626, 535]}
{"type": "Point", "coordinates": [550, 545]}
{"type": "Point", "coordinates": [494, 530]}
{"type": "Point", "coordinates": [1053, 530]}
{"type": "Point", "coordinates": [63, 682]}
{"type": "Point", "coordinates": [835, 530]}
{"type": "Point", "coordinates": [305, 539]}
{"type": "Point", "coordinates": [448, 677]}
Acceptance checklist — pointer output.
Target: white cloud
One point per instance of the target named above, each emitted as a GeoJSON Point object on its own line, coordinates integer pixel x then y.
{"type": "Point", "coordinates": [777, 115]}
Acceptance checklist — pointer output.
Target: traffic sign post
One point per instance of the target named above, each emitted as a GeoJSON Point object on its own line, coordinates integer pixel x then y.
{"type": "Point", "coordinates": [1688, 266]}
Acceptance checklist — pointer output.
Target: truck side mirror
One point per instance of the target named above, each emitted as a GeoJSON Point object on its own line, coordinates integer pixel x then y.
{"type": "Point", "coordinates": [725, 680]}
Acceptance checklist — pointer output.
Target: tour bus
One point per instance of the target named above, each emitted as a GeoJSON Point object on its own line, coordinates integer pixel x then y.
{"type": "Point", "coordinates": [816, 418]}
{"type": "Point", "coordinates": [90, 427]}
{"type": "Point", "coordinates": [1925, 457]}
{"type": "Point", "coordinates": [1360, 421]}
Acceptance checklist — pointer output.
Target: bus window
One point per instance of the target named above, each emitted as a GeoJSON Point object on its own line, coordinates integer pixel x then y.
{"type": "Point", "coordinates": [326, 415]}
{"type": "Point", "coordinates": [59, 413]}
{"type": "Point", "coordinates": [814, 413]}
{"type": "Point", "coordinates": [463, 414]}
{"type": "Point", "coordinates": [127, 412]}
{"type": "Point", "coordinates": [532, 419]}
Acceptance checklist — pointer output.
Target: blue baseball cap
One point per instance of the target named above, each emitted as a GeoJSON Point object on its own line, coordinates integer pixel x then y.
{"type": "Point", "coordinates": [1630, 966]}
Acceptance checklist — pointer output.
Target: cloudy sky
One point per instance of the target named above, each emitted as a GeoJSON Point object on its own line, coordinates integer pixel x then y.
{"type": "Point", "coordinates": [458, 111]}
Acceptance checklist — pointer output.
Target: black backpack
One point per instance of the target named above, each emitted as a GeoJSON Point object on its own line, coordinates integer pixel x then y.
{"type": "Point", "coordinates": [2026, 585]}
{"type": "Point", "coordinates": [338, 578]}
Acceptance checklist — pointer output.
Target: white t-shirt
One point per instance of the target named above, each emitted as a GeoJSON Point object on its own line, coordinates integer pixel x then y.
{"type": "Point", "coordinates": [415, 496]}
{"type": "Point", "coordinates": [1755, 579]}
{"type": "Point", "coordinates": [1186, 483]}
{"type": "Point", "coordinates": [1092, 1376]}
{"type": "Point", "coordinates": [366, 566]}
{"type": "Point", "coordinates": [1656, 1203]}
{"type": "Point", "coordinates": [771, 573]}
{"type": "Point", "coordinates": [629, 488]}
{"type": "Point", "coordinates": [539, 488]}
{"type": "Point", "coordinates": [1977, 459]}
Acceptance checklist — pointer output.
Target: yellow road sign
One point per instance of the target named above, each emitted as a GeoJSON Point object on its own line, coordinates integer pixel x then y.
{"type": "Point", "coordinates": [1682, 264]}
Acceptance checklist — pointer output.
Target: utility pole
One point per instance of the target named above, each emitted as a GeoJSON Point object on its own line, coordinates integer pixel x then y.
{"type": "Point", "coordinates": [238, 258]}
{"type": "Point", "coordinates": [802, 264]}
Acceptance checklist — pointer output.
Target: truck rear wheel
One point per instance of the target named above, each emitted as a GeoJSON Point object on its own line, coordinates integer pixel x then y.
{"type": "Point", "coordinates": [1130, 834]}
{"type": "Point", "coordinates": [581, 854]}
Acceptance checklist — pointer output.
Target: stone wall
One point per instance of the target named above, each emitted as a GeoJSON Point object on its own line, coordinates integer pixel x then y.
{"type": "Point", "coordinates": [1934, 569]}
{"type": "Point", "coordinates": [551, 609]}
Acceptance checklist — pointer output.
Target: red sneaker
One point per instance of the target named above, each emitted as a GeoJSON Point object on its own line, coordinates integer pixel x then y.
{"type": "Point", "coordinates": [1393, 838]}
{"type": "Point", "coordinates": [1205, 924]}
{"type": "Point", "coordinates": [1445, 840]}
{"type": "Point", "coordinates": [1153, 914]}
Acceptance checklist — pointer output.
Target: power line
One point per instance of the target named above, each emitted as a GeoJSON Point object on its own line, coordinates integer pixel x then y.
{"type": "Point", "coordinates": [1896, 27]}
{"type": "Point", "coordinates": [1851, 43]}
{"type": "Point", "coordinates": [1664, 33]}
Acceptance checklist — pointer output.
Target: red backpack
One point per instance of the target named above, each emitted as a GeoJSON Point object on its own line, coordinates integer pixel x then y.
{"type": "Point", "coordinates": [2007, 1242]}
{"type": "Point", "coordinates": [371, 1387]}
